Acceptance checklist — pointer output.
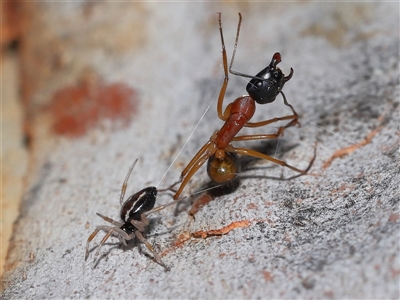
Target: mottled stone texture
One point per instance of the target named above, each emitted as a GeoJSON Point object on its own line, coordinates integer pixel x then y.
{"type": "Point", "coordinates": [331, 234]}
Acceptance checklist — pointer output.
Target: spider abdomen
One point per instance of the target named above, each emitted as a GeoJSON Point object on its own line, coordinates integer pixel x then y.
{"type": "Point", "coordinates": [139, 203]}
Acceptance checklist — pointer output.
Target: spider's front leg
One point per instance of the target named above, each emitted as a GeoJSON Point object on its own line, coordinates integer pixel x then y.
{"type": "Point", "coordinates": [141, 238]}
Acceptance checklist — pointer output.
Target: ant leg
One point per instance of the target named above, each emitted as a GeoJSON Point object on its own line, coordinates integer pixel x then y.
{"type": "Point", "coordinates": [221, 96]}
{"type": "Point", "coordinates": [109, 220]}
{"type": "Point", "coordinates": [125, 184]}
{"type": "Point", "coordinates": [259, 136]}
{"type": "Point", "coordinates": [295, 120]}
{"type": "Point", "coordinates": [257, 154]}
{"type": "Point", "coordinates": [196, 158]}
{"type": "Point", "coordinates": [196, 162]}
{"type": "Point", "coordinates": [266, 136]}
{"type": "Point", "coordinates": [309, 164]}
{"type": "Point", "coordinates": [236, 43]}
{"type": "Point", "coordinates": [270, 121]}
{"type": "Point", "coordinates": [234, 52]}
{"type": "Point", "coordinates": [199, 162]}
{"type": "Point", "coordinates": [293, 117]}
{"type": "Point", "coordinates": [161, 207]}
{"type": "Point", "coordinates": [170, 188]}
{"type": "Point", "coordinates": [262, 123]}
{"type": "Point", "coordinates": [141, 238]}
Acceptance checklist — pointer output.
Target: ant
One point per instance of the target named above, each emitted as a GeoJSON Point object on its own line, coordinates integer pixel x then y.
{"type": "Point", "coordinates": [134, 213]}
{"type": "Point", "coordinates": [220, 153]}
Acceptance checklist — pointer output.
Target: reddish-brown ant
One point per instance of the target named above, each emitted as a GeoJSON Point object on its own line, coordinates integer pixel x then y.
{"type": "Point", "coordinates": [134, 213]}
{"type": "Point", "coordinates": [262, 88]}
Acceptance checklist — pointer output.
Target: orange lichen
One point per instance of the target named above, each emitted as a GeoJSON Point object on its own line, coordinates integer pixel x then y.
{"type": "Point", "coordinates": [252, 206]}
{"type": "Point", "coordinates": [182, 238]}
{"type": "Point", "coordinates": [186, 235]}
{"type": "Point", "coordinates": [267, 275]}
{"type": "Point", "coordinates": [348, 150]}
{"type": "Point", "coordinates": [199, 203]}
{"type": "Point", "coordinates": [76, 109]}
{"type": "Point", "coordinates": [224, 230]}
{"type": "Point", "coordinates": [394, 217]}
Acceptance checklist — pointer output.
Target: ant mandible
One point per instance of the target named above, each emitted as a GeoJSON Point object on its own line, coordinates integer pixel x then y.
{"type": "Point", "coordinates": [134, 213]}
{"type": "Point", "coordinates": [262, 88]}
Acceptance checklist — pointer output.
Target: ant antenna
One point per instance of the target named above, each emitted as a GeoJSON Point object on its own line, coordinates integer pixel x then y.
{"type": "Point", "coordinates": [234, 53]}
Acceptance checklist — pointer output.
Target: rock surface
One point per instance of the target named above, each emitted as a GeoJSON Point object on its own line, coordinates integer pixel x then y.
{"type": "Point", "coordinates": [331, 234]}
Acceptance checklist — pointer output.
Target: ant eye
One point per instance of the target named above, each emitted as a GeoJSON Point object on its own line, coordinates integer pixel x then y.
{"type": "Point", "coordinates": [259, 84]}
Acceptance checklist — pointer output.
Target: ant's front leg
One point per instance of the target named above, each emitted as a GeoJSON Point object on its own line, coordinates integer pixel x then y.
{"type": "Point", "coordinates": [221, 96]}
{"type": "Point", "coordinates": [294, 118]}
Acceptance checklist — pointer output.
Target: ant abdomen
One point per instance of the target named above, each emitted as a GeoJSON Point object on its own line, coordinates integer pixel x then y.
{"type": "Point", "coordinates": [223, 170]}
{"type": "Point", "coordinates": [224, 174]}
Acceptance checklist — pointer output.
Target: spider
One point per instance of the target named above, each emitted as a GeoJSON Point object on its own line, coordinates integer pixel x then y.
{"type": "Point", "coordinates": [133, 213]}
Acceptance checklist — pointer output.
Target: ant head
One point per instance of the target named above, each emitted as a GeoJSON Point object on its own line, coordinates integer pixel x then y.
{"type": "Point", "coordinates": [266, 85]}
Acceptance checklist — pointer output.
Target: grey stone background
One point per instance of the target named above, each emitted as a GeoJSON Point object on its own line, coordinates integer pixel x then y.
{"type": "Point", "coordinates": [331, 234]}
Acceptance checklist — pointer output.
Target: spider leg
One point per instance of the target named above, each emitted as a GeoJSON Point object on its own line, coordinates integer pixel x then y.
{"type": "Point", "coordinates": [121, 235]}
{"type": "Point", "coordinates": [161, 207]}
{"type": "Point", "coordinates": [109, 220]}
{"type": "Point", "coordinates": [125, 184]}
{"type": "Point", "coordinates": [91, 237]}
{"type": "Point", "coordinates": [105, 238]}
{"type": "Point", "coordinates": [150, 247]}
{"type": "Point", "coordinates": [140, 225]}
